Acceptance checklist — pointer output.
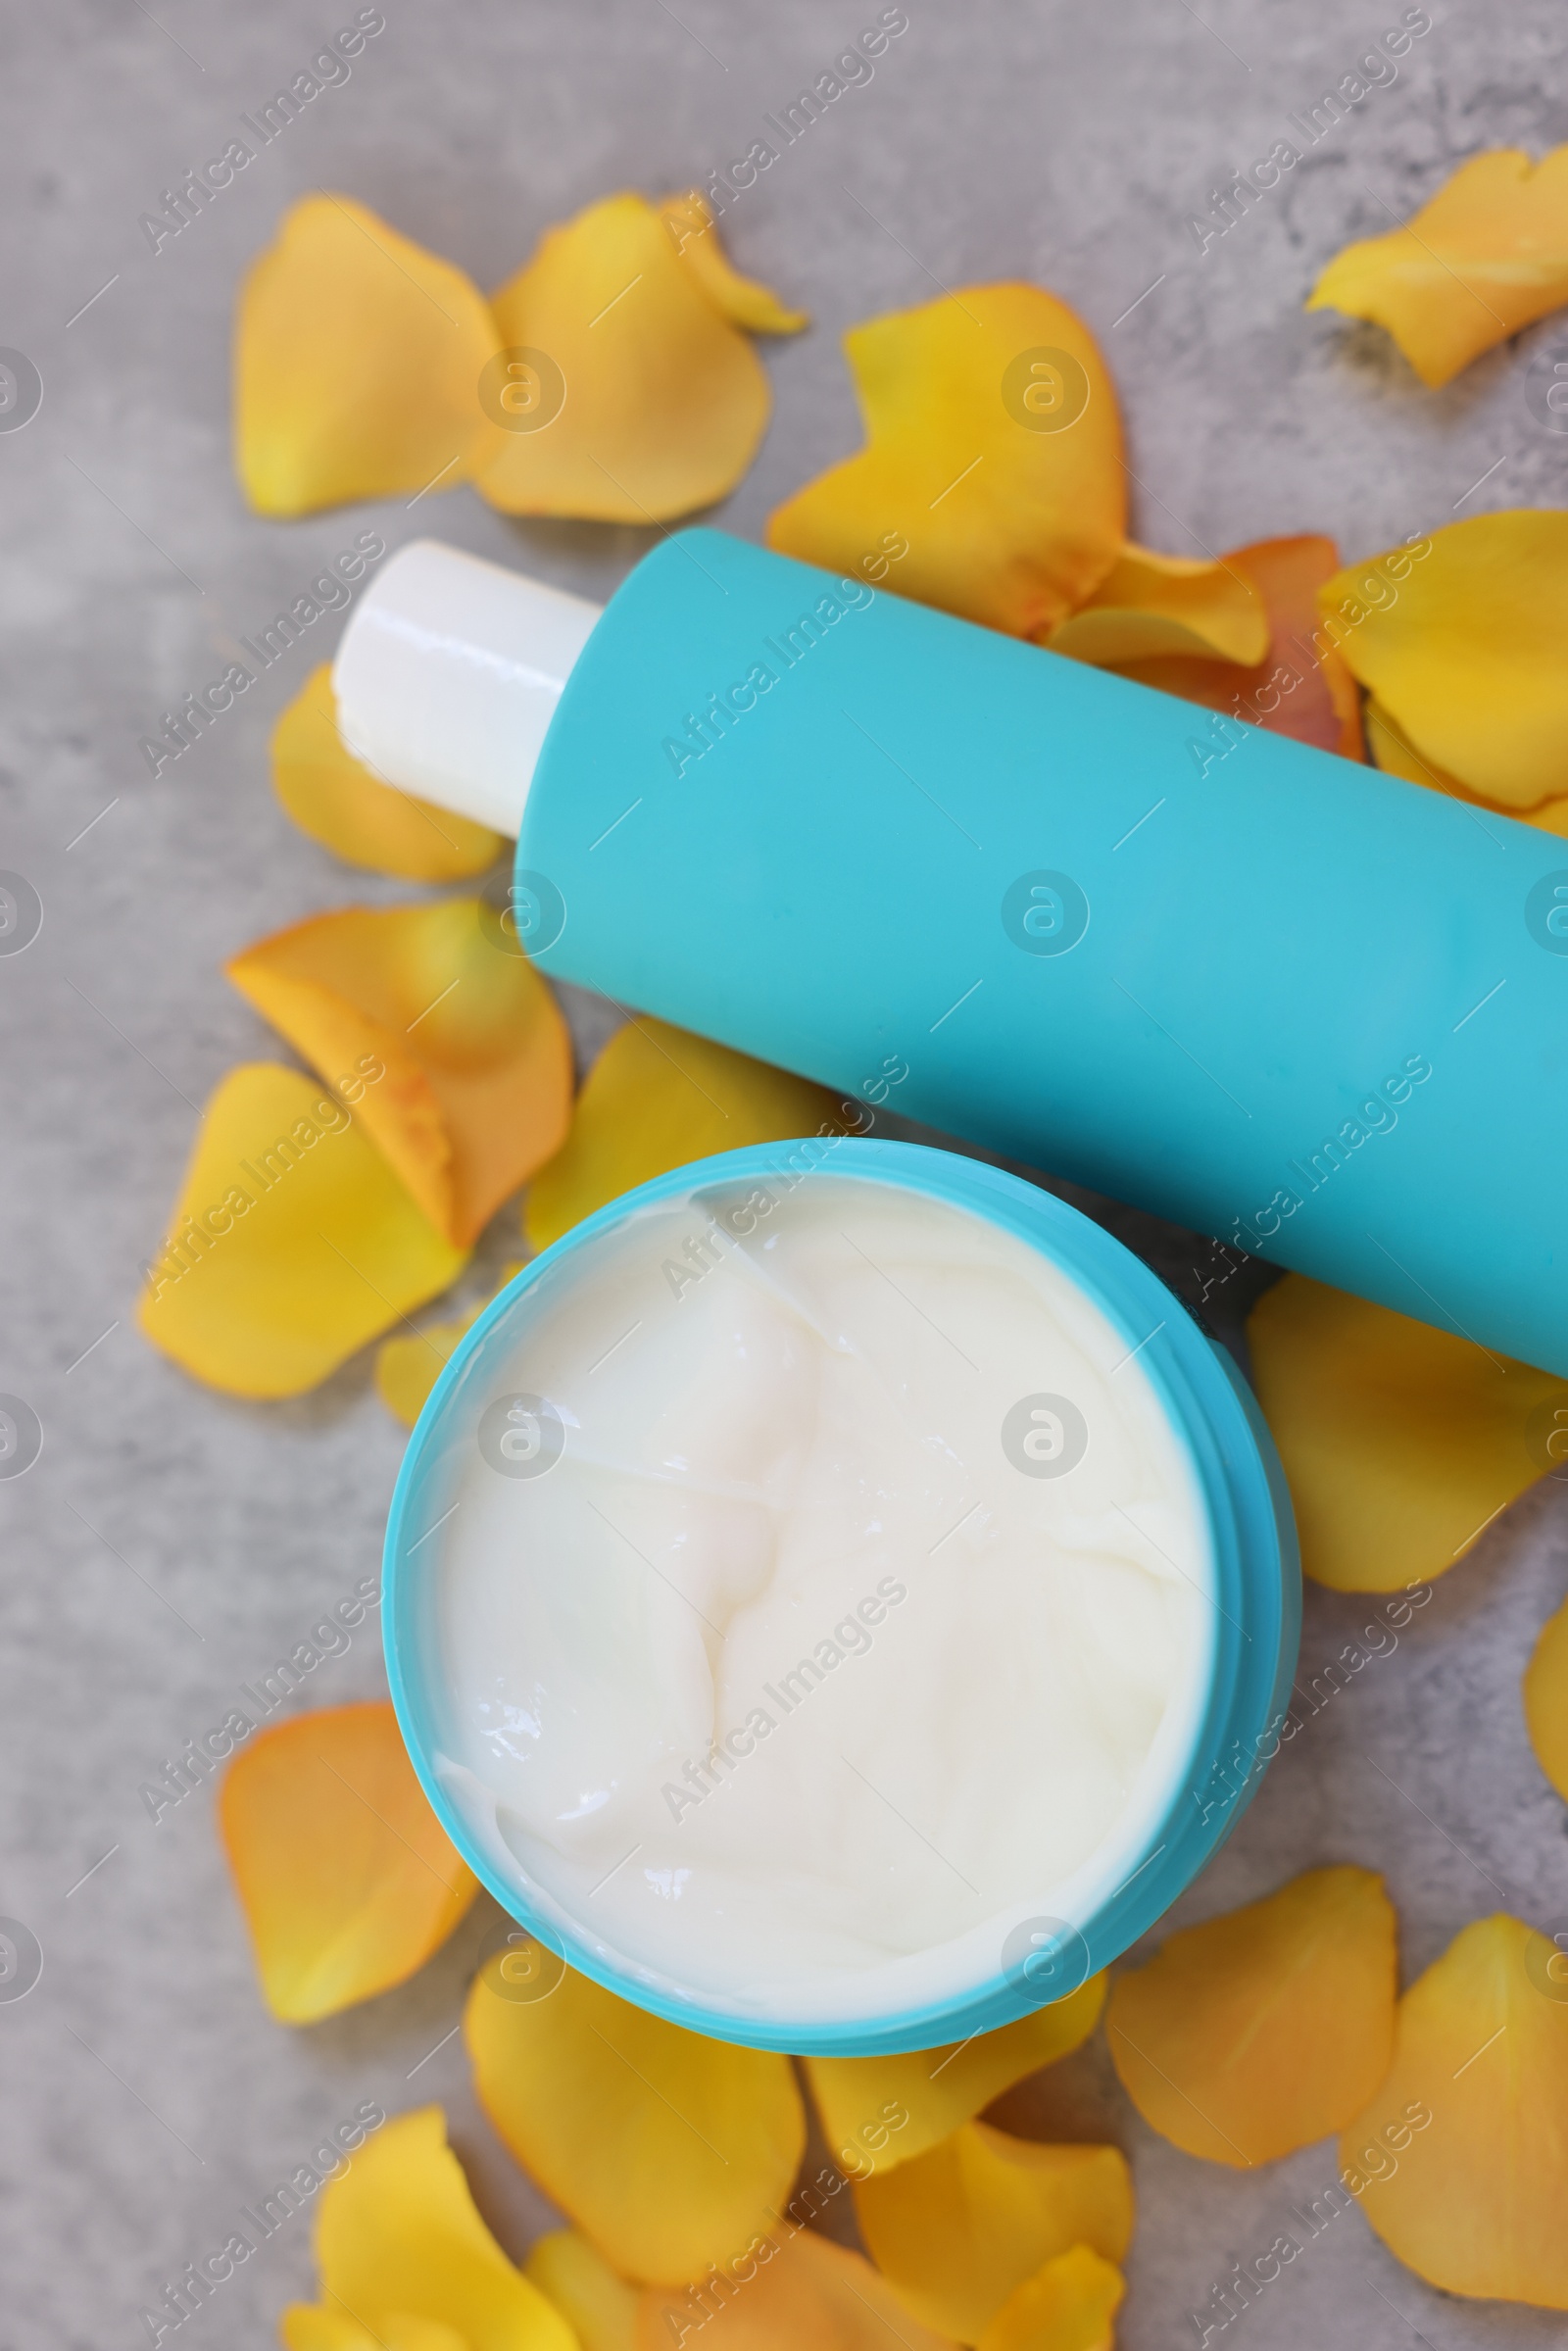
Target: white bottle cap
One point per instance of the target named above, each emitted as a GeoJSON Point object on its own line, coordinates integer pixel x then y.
{"type": "Point", "coordinates": [449, 673]}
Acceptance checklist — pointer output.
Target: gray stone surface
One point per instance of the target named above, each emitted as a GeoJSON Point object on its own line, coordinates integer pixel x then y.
{"type": "Point", "coordinates": [169, 1541]}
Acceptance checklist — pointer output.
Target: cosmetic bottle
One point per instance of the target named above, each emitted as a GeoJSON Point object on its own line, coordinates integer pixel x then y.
{"type": "Point", "coordinates": [1308, 1009]}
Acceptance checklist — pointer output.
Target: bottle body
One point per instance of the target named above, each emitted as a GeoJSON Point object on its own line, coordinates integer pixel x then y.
{"type": "Point", "coordinates": [1269, 994]}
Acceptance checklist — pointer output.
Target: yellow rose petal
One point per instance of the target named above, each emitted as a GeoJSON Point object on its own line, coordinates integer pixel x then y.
{"type": "Point", "coordinates": [633, 398]}
{"type": "Point", "coordinates": [1070, 2304]}
{"type": "Point", "coordinates": [656, 1099]}
{"type": "Point", "coordinates": [1150, 605]}
{"type": "Point", "coordinates": [1461, 2157]}
{"type": "Point", "coordinates": [1486, 255]}
{"type": "Point", "coordinates": [1300, 686]}
{"type": "Point", "coordinates": [345, 1875]}
{"type": "Point", "coordinates": [293, 1242]}
{"type": "Point", "coordinates": [357, 364]}
{"type": "Point", "coordinates": [742, 300]}
{"type": "Point", "coordinates": [961, 2227]}
{"type": "Point", "coordinates": [402, 2250]}
{"type": "Point", "coordinates": [1392, 750]}
{"type": "Point", "coordinates": [1400, 1443]}
{"type": "Point", "coordinates": [406, 1369]}
{"type": "Point", "coordinates": [993, 454]}
{"type": "Point", "coordinates": [1546, 1698]}
{"type": "Point", "coordinates": [476, 1086]}
{"type": "Point", "coordinates": [1459, 639]}
{"type": "Point", "coordinates": [798, 2293]}
{"type": "Point", "coordinates": [1261, 2030]}
{"type": "Point", "coordinates": [365, 822]}
{"type": "Point", "coordinates": [313, 2327]}
{"type": "Point", "coordinates": [671, 2151]}
{"type": "Point", "coordinates": [594, 2299]}
{"type": "Point", "coordinates": [878, 2111]}
{"type": "Point", "coordinates": [1552, 816]}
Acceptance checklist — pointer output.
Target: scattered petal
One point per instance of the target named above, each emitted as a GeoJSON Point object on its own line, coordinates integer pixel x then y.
{"type": "Point", "coordinates": [860, 2098]}
{"type": "Point", "coordinates": [476, 1086]}
{"type": "Point", "coordinates": [1300, 687]}
{"type": "Point", "coordinates": [1546, 1695]}
{"type": "Point", "coordinates": [1150, 605]}
{"type": "Point", "coordinates": [335, 799]}
{"type": "Point", "coordinates": [403, 2253]}
{"type": "Point", "coordinates": [311, 2326]}
{"type": "Point", "coordinates": [293, 1242]}
{"type": "Point", "coordinates": [742, 300]}
{"type": "Point", "coordinates": [1460, 2158]}
{"type": "Point", "coordinates": [406, 1369]}
{"type": "Point", "coordinates": [1400, 1443]}
{"type": "Point", "coordinates": [1460, 638]}
{"type": "Point", "coordinates": [314, 2327]}
{"type": "Point", "coordinates": [658, 1097]}
{"type": "Point", "coordinates": [595, 2300]}
{"type": "Point", "coordinates": [1552, 816]}
{"type": "Point", "coordinates": [993, 451]}
{"type": "Point", "coordinates": [345, 1875]}
{"type": "Point", "coordinates": [805, 2294]}
{"type": "Point", "coordinates": [1263, 2030]}
{"type": "Point", "coordinates": [1394, 752]}
{"type": "Point", "coordinates": [635, 399]}
{"type": "Point", "coordinates": [1070, 2304]}
{"type": "Point", "coordinates": [671, 2151]}
{"type": "Point", "coordinates": [1486, 255]}
{"type": "Point", "coordinates": [960, 2228]}
{"type": "Point", "coordinates": [357, 364]}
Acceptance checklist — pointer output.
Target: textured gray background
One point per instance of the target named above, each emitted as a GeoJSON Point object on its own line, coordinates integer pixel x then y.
{"type": "Point", "coordinates": [170, 1543]}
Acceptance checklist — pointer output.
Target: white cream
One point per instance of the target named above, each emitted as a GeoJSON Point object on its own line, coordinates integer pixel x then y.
{"type": "Point", "coordinates": [783, 1683]}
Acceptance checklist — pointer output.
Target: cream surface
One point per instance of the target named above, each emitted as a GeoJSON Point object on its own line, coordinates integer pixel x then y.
{"type": "Point", "coordinates": [806, 1668]}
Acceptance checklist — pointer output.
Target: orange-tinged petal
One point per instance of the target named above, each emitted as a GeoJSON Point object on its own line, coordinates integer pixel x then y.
{"type": "Point", "coordinates": [476, 1086]}
{"type": "Point", "coordinates": [1070, 2304]}
{"type": "Point", "coordinates": [1461, 2157]}
{"type": "Point", "coordinates": [959, 2229]}
{"type": "Point", "coordinates": [1300, 687]}
{"type": "Point", "coordinates": [634, 399]}
{"type": "Point", "coordinates": [861, 2099]}
{"type": "Point", "coordinates": [1545, 1696]}
{"type": "Point", "coordinates": [1400, 1443]}
{"type": "Point", "coordinates": [1263, 2030]}
{"type": "Point", "coordinates": [807, 2294]}
{"type": "Point", "coordinates": [345, 1875]}
{"type": "Point", "coordinates": [742, 300]}
{"type": "Point", "coordinates": [1459, 637]}
{"type": "Point", "coordinates": [671, 2151]}
{"type": "Point", "coordinates": [293, 1242]}
{"type": "Point", "coordinates": [1486, 255]}
{"type": "Point", "coordinates": [335, 799]}
{"type": "Point", "coordinates": [357, 364]}
{"type": "Point", "coordinates": [402, 2251]}
{"type": "Point", "coordinates": [658, 1097]}
{"type": "Point", "coordinates": [992, 452]}
{"type": "Point", "coordinates": [1150, 605]}
{"type": "Point", "coordinates": [595, 2300]}
{"type": "Point", "coordinates": [406, 1369]}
